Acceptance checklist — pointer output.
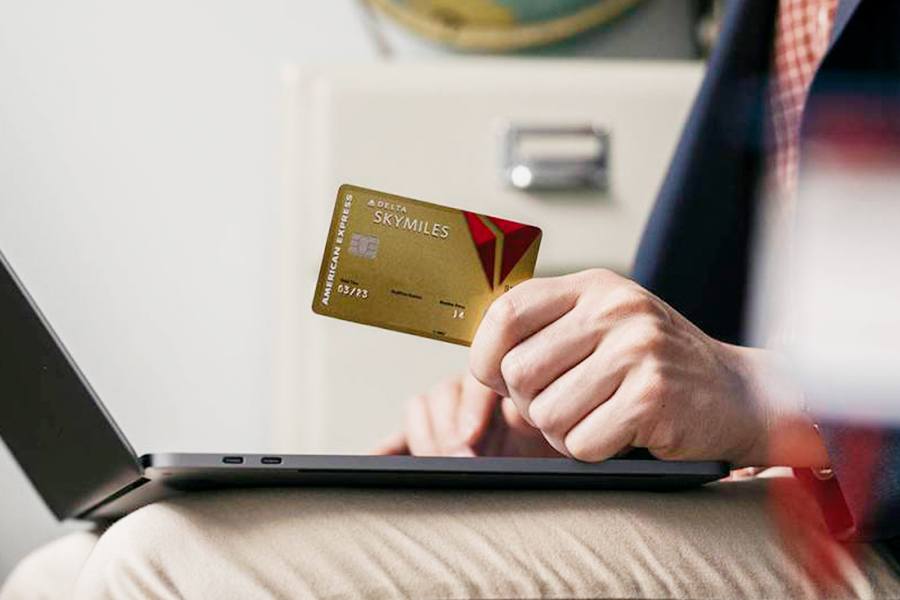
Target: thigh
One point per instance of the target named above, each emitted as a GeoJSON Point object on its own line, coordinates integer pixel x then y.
{"type": "Point", "coordinates": [50, 572]}
{"type": "Point", "coordinates": [719, 541]}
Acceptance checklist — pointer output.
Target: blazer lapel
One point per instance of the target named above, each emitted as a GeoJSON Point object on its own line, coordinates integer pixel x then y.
{"type": "Point", "coordinates": [695, 250]}
{"type": "Point", "coordinates": [846, 10]}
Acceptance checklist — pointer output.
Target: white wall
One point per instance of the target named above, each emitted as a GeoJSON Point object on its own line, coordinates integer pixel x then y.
{"type": "Point", "coordinates": [139, 182]}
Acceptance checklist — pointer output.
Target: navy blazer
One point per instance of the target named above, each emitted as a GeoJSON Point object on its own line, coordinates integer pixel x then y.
{"type": "Point", "coordinates": [695, 253]}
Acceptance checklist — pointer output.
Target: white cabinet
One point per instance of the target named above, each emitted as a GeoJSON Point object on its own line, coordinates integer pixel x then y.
{"type": "Point", "coordinates": [436, 132]}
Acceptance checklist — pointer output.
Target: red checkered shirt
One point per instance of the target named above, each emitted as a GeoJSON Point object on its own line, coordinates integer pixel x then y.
{"type": "Point", "coordinates": [802, 33]}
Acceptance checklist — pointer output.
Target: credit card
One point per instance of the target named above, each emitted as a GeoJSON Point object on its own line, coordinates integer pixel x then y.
{"type": "Point", "coordinates": [417, 267]}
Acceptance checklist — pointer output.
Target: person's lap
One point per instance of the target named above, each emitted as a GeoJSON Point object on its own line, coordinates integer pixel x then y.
{"type": "Point", "coordinates": [50, 572]}
{"type": "Point", "coordinates": [715, 542]}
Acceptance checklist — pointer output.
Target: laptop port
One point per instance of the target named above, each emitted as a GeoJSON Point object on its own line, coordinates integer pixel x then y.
{"type": "Point", "coordinates": [233, 460]}
{"type": "Point", "coordinates": [271, 460]}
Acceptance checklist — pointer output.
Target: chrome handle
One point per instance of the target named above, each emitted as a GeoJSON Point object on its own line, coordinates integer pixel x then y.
{"type": "Point", "coordinates": [556, 158]}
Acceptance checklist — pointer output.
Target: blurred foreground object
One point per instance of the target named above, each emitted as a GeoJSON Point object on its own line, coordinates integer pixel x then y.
{"type": "Point", "coordinates": [838, 292]}
{"type": "Point", "coordinates": [502, 25]}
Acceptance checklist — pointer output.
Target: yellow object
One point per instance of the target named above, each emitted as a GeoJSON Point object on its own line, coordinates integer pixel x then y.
{"type": "Point", "coordinates": [485, 12]}
{"type": "Point", "coordinates": [483, 25]}
{"type": "Point", "coordinates": [416, 267]}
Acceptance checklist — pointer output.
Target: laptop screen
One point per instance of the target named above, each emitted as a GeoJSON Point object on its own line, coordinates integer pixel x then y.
{"type": "Point", "coordinates": [50, 418]}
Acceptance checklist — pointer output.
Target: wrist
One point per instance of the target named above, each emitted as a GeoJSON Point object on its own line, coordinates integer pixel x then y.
{"type": "Point", "coordinates": [788, 434]}
{"type": "Point", "coordinates": [795, 441]}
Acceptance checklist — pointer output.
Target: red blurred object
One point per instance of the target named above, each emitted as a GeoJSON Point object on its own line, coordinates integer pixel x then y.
{"type": "Point", "coordinates": [800, 536]}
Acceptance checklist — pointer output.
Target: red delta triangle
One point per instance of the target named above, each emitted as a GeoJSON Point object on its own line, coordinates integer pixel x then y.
{"type": "Point", "coordinates": [485, 244]}
{"type": "Point", "coordinates": [517, 240]}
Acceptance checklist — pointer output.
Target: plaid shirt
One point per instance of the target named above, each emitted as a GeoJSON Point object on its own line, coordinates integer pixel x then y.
{"type": "Point", "coordinates": [802, 34]}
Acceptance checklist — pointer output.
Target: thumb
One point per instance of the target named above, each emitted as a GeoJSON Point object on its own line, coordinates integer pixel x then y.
{"type": "Point", "coordinates": [476, 408]}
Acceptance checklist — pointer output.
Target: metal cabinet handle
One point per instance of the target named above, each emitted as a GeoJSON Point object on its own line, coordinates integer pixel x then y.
{"type": "Point", "coordinates": [554, 169]}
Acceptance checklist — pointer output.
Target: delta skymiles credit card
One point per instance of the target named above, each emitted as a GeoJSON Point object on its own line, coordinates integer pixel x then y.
{"type": "Point", "coordinates": [417, 267]}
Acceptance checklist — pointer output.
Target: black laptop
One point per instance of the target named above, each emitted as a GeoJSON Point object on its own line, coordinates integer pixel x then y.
{"type": "Point", "coordinates": [84, 468]}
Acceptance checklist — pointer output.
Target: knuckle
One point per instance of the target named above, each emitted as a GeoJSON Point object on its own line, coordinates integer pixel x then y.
{"type": "Point", "coordinates": [637, 301]}
{"type": "Point", "coordinates": [482, 371]}
{"type": "Point", "coordinates": [649, 336]}
{"type": "Point", "coordinates": [597, 311]}
{"type": "Point", "coordinates": [669, 443]}
{"type": "Point", "coordinates": [516, 372]}
{"type": "Point", "coordinates": [656, 384]}
{"type": "Point", "coordinates": [625, 301]}
{"type": "Point", "coordinates": [544, 416]}
{"type": "Point", "coordinates": [579, 447]}
{"type": "Point", "coordinates": [632, 299]}
{"type": "Point", "coordinates": [540, 415]}
{"type": "Point", "coordinates": [644, 303]}
{"type": "Point", "coordinates": [600, 274]}
{"type": "Point", "coordinates": [503, 313]}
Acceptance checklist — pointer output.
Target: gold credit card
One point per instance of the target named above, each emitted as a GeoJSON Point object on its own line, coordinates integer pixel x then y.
{"type": "Point", "coordinates": [418, 267]}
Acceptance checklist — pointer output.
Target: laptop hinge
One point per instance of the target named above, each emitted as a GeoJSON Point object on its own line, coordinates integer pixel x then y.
{"type": "Point", "coordinates": [112, 497]}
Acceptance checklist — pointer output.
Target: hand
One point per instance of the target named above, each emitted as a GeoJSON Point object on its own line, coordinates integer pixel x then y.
{"type": "Point", "coordinates": [461, 417]}
{"type": "Point", "coordinates": [601, 365]}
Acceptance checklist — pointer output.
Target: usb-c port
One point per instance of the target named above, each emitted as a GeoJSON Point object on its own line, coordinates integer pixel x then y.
{"type": "Point", "coordinates": [271, 460]}
{"type": "Point", "coordinates": [233, 460]}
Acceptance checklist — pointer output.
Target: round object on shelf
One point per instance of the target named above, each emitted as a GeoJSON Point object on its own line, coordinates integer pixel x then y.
{"type": "Point", "coordinates": [501, 25]}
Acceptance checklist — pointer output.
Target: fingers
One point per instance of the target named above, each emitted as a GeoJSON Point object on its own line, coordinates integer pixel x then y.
{"type": "Point", "coordinates": [492, 442]}
{"type": "Point", "coordinates": [513, 317]}
{"type": "Point", "coordinates": [524, 430]}
{"type": "Point", "coordinates": [545, 356]}
{"type": "Point", "coordinates": [393, 445]}
{"type": "Point", "coordinates": [570, 397]}
{"type": "Point", "coordinates": [419, 433]}
{"type": "Point", "coordinates": [611, 427]}
{"type": "Point", "coordinates": [511, 438]}
{"type": "Point", "coordinates": [475, 410]}
{"type": "Point", "coordinates": [512, 416]}
{"type": "Point", "coordinates": [432, 424]}
{"type": "Point", "coordinates": [450, 419]}
{"type": "Point", "coordinates": [444, 404]}
{"type": "Point", "coordinates": [441, 422]}
{"type": "Point", "coordinates": [562, 348]}
{"type": "Point", "coordinates": [511, 435]}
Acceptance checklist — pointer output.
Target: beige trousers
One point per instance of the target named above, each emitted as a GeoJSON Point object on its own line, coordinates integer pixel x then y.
{"type": "Point", "coordinates": [716, 542]}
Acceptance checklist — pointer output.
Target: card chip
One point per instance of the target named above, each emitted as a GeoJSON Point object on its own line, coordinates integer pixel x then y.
{"type": "Point", "coordinates": [365, 246]}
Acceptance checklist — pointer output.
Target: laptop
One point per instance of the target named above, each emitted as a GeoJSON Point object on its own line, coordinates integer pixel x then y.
{"type": "Point", "coordinates": [83, 466]}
